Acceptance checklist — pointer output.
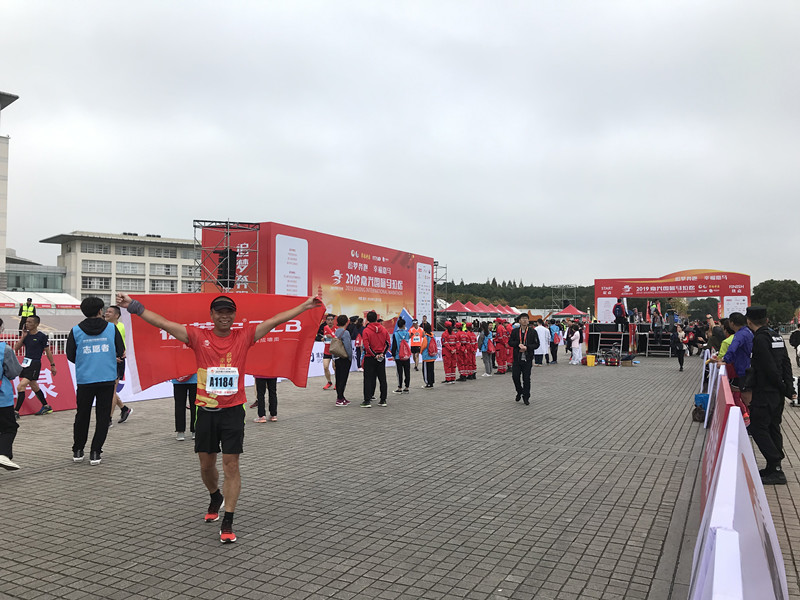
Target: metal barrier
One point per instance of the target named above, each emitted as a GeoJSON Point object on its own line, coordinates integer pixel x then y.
{"type": "Point", "coordinates": [58, 341]}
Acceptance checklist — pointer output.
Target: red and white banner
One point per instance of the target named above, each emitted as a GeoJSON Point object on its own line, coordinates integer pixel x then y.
{"type": "Point", "coordinates": [58, 390]}
{"type": "Point", "coordinates": [737, 555]}
{"type": "Point", "coordinates": [155, 356]}
{"type": "Point", "coordinates": [721, 405]}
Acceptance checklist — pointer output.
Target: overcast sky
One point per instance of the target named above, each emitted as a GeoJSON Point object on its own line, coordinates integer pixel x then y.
{"type": "Point", "coordinates": [554, 142]}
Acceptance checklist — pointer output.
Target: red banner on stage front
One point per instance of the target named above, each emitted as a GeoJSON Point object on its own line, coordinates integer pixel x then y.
{"type": "Point", "coordinates": [155, 356]}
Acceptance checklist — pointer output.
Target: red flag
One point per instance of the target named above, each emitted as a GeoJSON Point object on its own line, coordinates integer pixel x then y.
{"type": "Point", "coordinates": [155, 356]}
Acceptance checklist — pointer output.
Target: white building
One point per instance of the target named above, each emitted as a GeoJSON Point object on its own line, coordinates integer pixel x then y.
{"type": "Point", "coordinates": [5, 100]}
{"type": "Point", "coordinates": [101, 264]}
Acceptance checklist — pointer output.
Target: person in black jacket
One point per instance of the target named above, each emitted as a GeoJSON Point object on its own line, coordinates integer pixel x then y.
{"type": "Point", "coordinates": [523, 342]}
{"type": "Point", "coordinates": [770, 378]}
{"type": "Point", "coordinates": [794, 342]}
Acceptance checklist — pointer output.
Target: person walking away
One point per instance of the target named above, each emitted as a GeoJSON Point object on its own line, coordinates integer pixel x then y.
{"type": "Point", "coordinates": [26, 310]}
{"type": "Point", "coordinates": [429, 353]}
{"type": "Point", "coordinates": [555, 340]}
{"type": "Point", "coordinates": [112, 315]}
{"type": "Point", "coordinates": [620, 316]}
{"type": "Point", "coordinates": [770, 380]}
{"type": "Point", "coordinates": [484, 345]}
{"type": "Point", "coordinates": [376, 343]}
{"type": "Point", "coordinates": [36, 343]}
{"type": "Point", "coordinates": [401, 350]}
{"type": "Point", "coordinates": [523, 341]}
{"type": "Point", "coordinates": [677, 341]}
{"type": "Point", "coordinates": [341, 365]}
{"type": "Point", "coordinates": [449, 352]}
{"type": "Point", "coordinates": [93, 345]}
{"type": "Point", "coordinates": [8, 421]}
{"type": "Point", "coordinates": [543, 350]}
{"type": "Point", "coordinates": [266, 386]}
{"type": "Point", "coordinates": [184, 392]}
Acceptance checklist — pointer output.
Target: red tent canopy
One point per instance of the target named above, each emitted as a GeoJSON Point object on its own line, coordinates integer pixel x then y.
{"type": "Point", "coordinates": [457, 307]}
{"type": "Point", "coordinates": [507, 310]}
{"type": "Point", "coordinates": [470, 306]}
{"type": "Point", "coordinates": [570, 311]}
{"type": "Point", "coordinates": [482, 307]}
{"type": "Point", "coordinates": [493, 309]}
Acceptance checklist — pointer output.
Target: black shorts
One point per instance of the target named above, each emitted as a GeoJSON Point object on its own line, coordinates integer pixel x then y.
{"type": "Point", "coordinates": [415, 349]}
{"type": "Point", "coordinates": [121, 370]}
{"type": "Point", "coordinates": [31, 372]}
{"type": "Point", "coordinates": [327, 356]}
{"type": "Point", "coordinates": [224, 426]}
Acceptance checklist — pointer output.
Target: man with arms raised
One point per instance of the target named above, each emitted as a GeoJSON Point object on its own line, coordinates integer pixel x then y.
{"type": "Point", "coordinates": [221, 354]}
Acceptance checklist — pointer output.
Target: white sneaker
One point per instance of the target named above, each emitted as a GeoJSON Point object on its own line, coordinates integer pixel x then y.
{"type": "Point", "coordinates": [486, 375]}
{"type": "Point", "coordinates": [180, 436]}
{"type": "Point", "coordinates": [7, 463]}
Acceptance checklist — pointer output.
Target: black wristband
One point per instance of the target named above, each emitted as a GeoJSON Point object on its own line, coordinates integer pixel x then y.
{"type": "Point", "coordinates": [136, 308]}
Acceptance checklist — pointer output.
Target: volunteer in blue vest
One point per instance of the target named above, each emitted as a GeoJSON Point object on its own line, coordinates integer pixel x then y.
{"type": "Point", "coordinates": [8, 422]}
{"type": "Point", "coordinates": [94, 345]}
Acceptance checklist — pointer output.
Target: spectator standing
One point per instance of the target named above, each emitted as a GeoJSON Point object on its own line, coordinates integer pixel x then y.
{"type": "Point", "coordinates": [8, 422]}
{"type": "Point", "coordinates": [471, 354]}
{"type": "Point", "coordinates": [94, 346]}
{"type": "Point", "coordinates": [26, 310]}
{"type": "Point", "coordinates": [428, 355]}
{"type": "Point", "coordinates": [543, 349]}
{"type": "Point", "coordinates": [771, 381]}
{"type": "Point", "coordinates": [401, 350]}
{"type": "Point", "coordinates": [620, 315]}
{"type": "Point", "coordinates": [794, 342]}
{"type": "Point", "coordinates": [555, 340]}
{"type": "Point", "coordinates": [327, 336]}
{"type": "Point", "coordinates": [266, 386]}
{"type": "Point", "coordinates": [576, 339]}
{"type": "Point", "coordinates": [341, 365]}
{"type": "Point", "coordinates": [376, 343]}
{"type": "Point", "coordinates": [500, 343]}
{"type": "Point", "coordinates": [112, 315]}
{"type": "Point", "coordinates": [657, 324]}
{"type": "Point", "coordinates": [484, 344]}
{"type": "Point", "coordinates": [184, 392]}
{"type": "Point", "coordinates": [449, 352]}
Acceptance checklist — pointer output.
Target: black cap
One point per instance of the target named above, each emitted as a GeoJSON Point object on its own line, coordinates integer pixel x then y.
{"type": "Point", "coordinates": [223, 302]}
{"type": "Point", "coordinates": [756, 313]}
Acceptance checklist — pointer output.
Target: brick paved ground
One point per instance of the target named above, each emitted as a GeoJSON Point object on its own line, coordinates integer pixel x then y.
{"type": "Point", "coordinates": [457, 492]}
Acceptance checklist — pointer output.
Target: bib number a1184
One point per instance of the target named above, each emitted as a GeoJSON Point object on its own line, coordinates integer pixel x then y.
{"type": "Point", "coordinates": [222, 381]}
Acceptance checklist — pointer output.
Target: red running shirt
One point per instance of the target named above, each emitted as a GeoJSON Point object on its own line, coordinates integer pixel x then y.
{"type": "Point", "coordinates": [211, 350]}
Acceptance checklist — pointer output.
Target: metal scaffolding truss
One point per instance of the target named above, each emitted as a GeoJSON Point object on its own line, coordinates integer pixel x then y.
{"type": "Point", "coordinates": [209, 256]}
{"type": "Point", "coordinates": [561, 292]}
{"type": "Point", "coordinates": [440, 276]}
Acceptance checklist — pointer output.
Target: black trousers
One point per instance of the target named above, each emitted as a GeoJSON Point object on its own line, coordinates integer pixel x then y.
{"type": "Point", "coordinates": [681, 355]}
{"type": "Point", "coordinates": [766, 414]}
{"type": "Point", "coordinates": [622, 324]}
{"type": "Point", "coordinates": [183, 392]}
{"type": "Point", "coordinates": [374, 372]}
{"type": "Point", "coordinates": [341, 370]}
{"type": "Point", "coordinates": [8, 430]}
{"type": "Point", "coordinates": [103, 393]}
{"type": "Point", "coordinates": [264, 384]}
{"type": "Point", "coordinates": [427, 372]}
{"type": "Point", "coordinates": [554, 351]}
{"type": "Point", "coordinates": [403, 371]}
{"type": "Point", "coordinates": [521, 375]}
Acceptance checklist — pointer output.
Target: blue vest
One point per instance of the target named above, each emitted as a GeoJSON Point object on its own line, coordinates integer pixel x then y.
{"type": "Point", "coordinates": [6, 387]}
{"type": "Point", "coordinates": [95, 355]}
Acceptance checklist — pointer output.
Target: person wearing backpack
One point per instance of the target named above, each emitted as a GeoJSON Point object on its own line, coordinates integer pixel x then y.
{"type": "Point", "coordinates": [555, 341]}
{"type": "Point", "coordinates": [430, 351]}
{"type": "Point", "coordinates": [486, 346]}
{"type": "Point", "coordinates": [620, 315]}
{"type": "Point", "coordinates": [401, 350]}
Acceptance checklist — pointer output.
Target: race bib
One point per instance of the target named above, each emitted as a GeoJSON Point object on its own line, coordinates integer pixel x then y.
{"type": "Point", "coordinates": [222, 381]}
{"type": "Point", "coordinates": [26, 362]}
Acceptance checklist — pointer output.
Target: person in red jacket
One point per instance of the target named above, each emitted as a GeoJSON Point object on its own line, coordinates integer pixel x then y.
{"type": "Point", "coordinates": [463, 350]}
{"type": "Point", "coordinates": [472, 367]}
{"type": "Point", "coordinates": [449, 352]}
{"type": "Point", "coordinates": [509, 349]}
{"type": "Point", "coordinates": [500, 342]}
{"type": "Point", "coordinates": [376, 342]}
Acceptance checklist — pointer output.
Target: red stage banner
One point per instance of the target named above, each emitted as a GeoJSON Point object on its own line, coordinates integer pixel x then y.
{"type": "Point", "coordinates": [155, 356]}
{"type": "Point", "coordinates": [58, 390]}
{"type": "Point", "coordinates": [733, 289]}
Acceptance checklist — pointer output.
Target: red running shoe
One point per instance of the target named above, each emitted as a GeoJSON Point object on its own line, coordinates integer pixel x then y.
{"type": "Point", "coordinates": [226, 535]}
{"type": "Point", "coordinates": [213, 510]}
{"type": "Point", "coordinates": [327, 386]}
